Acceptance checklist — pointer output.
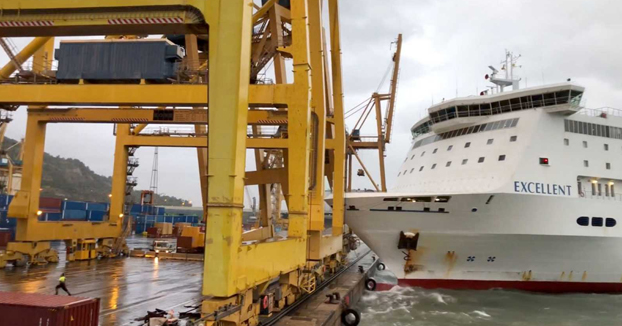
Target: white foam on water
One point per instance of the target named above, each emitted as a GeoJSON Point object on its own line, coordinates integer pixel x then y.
{"type": "Point", "coordinates": [481, 313]}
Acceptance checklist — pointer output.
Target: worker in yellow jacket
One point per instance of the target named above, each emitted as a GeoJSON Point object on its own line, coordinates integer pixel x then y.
{"type": "Point", "coordinates": [61, 284]}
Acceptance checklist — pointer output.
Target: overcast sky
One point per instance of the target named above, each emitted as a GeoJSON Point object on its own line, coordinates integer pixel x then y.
{"type": "Point", "coordinates": [448, 46]}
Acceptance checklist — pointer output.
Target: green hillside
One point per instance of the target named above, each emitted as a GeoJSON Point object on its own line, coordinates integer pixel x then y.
{"type": "Point", "coordinates": [70, 178]}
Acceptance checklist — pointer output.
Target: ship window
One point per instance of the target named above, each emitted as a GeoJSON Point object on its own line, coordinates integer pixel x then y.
{"type": "Point", "coordinates": [566, 141]}
{"type": "Point", "coordinates": [608, 166]}
{"type": "Point", "coordinates": [507, 124]}
{"type": "Point", "coordinates": [513, 138]}
{"type": "Point", "coordinates": [390, 199]}
{"type": "Point", "coordinates": [412, 157]}
{"type": "Point", "coordinates": [537, 100]}
{"type": "Point", "coordinates": [433, 166]}
{"type": "Point", "coordinates": [426, 209]}
{"type": "Point", "coordinates": [464, 161]}
{"type": "Point", "coordinates": [467, 145]}
{"type": "Point", "coordinates": [613, 194]}
{"type": "Point", "coordinates": [583, 221]}
{"type": "Point", "coordinates": [422, 153]}
{"type": "Point", "coordinates": [441, 210]}
{"type": "Point", "coordinates": [489, 142]}
{"type": "Point", "coordinates": [593, 189]}
{"type": "Point", "coordinates": [566, 125]}
{"type": "Point", "coordinates": [391, 208]}
{"type": "Point", "coordinates": [505, 106]}
{"type": "Point", "coordinates": [398, 208]}
{"type": "Point", "coordinates": [411, 170]}
{"type": "Point", "coordinates": [586, 163]}
{"type": "Point", "coordinates": [481, 160]}
{"type": "Point", "coordinates": [501, 157]}
{"type": "Point", "coordinates": [406, 159]}
{"type": "Point", "coordinates": [442, 199]}
{"type": "Point", "coordinates": [405, 171]}
{"type": "Point", "coordinates": [514, 122]}
{"type": "Point", "coordinates": [399, 174]}
{"type": "Point", "coordinates": [600, 189]}
{"type": "Point", "coordinates": [606, 190]}
{"type": "Point", "coordinates": [606, 147]}
{"type": "Point", "coordinates": [487, 127]}
{"type": "Point", "coordinates": [580, 188]}
{"type": "Point", "coordinates": [610, 222]}
{"type": "Point", "coordinates": [450, 147]}
{"type": "Point", "coordinates": [421, 168]}
{"type": "Point", "coordinates": [448, 164]}
{"type": "Point", "coordinates": [584, 144]}
{"type": "Point", "coordinates": [435, 150]}
{"type": "Point", "coordinates": [562, 97]}
{"type": "Point", "coordinates": [597, 221]}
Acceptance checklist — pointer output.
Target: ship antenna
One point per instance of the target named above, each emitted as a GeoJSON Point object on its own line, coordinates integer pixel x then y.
{"type": "Point", "coordinates": [508, 65]}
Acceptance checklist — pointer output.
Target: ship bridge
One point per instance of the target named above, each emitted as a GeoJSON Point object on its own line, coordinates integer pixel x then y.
{"type": "Point", "coordinates": [561, 98]}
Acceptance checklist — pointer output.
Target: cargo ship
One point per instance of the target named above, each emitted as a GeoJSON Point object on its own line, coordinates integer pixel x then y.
{"type": "Point", "coordinates": [517, 189]}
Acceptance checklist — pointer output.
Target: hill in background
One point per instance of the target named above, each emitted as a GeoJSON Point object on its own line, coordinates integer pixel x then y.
{"type": "Point", "coordinates": [70, 178]}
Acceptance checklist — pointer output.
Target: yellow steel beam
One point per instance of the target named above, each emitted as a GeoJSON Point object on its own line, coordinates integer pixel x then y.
{"type": "Point", "coordinates": [299, 126]}
{"type": "Point", "coordinates": [103, 17]}
{"type": "Point", "coordinates": [316, 209]}
{"type": "Point", "coordinates": [23, 55]}
{"type": "Point", "coordinates": [266, 176]}
{"type": "Point", "coordinates": [340, 132]}
{"type": "Point", "coordinates": [229, 41]}
{"type": "Point", "coordinates": [134, 95]}
{"type": "Point", "coordinates": [200, 142]}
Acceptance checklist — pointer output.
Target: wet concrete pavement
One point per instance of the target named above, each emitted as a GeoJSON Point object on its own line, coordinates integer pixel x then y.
{"type": "Point", "coordinates": [127, 287]}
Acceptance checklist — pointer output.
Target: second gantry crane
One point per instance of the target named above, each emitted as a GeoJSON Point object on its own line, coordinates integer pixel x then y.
{"type": "Point", "coordinates": [383, 127]}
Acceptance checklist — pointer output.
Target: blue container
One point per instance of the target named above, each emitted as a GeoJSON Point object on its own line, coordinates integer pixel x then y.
{"type": "Point", "coordinates": [161, 211]}
{"type": "Point", "coordinates": [74, 214]}
{"type": "Point", "coordinates": [52, 217]}
{"type": "Point", "coordinates": [97, 207]}
{"type": "Point", "coordinates": [96, 216]}
{"type": "Point", "coordinates": [74, 205]}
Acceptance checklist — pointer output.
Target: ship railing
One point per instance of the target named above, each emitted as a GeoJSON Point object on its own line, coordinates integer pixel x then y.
{"type": "Point", "coordinates": [601, 112]}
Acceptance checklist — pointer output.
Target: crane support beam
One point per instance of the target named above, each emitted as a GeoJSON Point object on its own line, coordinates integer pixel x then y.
{"type": "Point", "coordinates": [23, 55]}
{"type": "Point", "coordinates": [134, 95]}
{"type": "Point", "coordinates": [103, 17]}
{"type": "Point", "coordinates": [146, 116]}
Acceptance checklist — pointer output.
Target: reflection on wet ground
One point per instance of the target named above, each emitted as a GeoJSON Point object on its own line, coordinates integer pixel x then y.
{"type": "Point", "coordinates": [127, 287]}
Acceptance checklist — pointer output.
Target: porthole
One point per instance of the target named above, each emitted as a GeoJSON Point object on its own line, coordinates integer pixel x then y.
{"type": "Point", "coordinates": [583, 221]}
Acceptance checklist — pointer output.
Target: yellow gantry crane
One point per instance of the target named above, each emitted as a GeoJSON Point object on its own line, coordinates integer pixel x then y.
{"type": "Point", "coordinates": [296, 128]}
{"type": "Point", "coordinates": [384, 126]}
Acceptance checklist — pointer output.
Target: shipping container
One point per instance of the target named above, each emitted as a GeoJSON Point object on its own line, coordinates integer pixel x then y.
{"type": "Point", "coordinates": [46, 202]}
{"type": "Point", "coordinates": [96, 216]}
{"type": "Point", "coordinates": [73, 214]}
{"type": "Point", "coordinates": [53, 217]}
{"type": "Point", "coordinates": [5, 237]}
{"type": "Point", "coordinates": [74, 205]}
{"type": "Point", "coordinates": [102, 207]}
{"type": "Point", "coordinates": [30, 309]}
{"type": "Point", "coordinates": [118, 60]}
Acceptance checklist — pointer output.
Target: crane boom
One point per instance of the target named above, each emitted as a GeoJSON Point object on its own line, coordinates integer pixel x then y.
{"type": "Point", "coordinates": [393, 90]}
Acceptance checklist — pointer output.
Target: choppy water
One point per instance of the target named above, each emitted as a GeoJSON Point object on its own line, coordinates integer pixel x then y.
{"type": "Point", "coordinates": [421, 307]}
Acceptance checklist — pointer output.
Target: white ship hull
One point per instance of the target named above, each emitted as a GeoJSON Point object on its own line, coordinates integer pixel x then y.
{"type": "Point", "coordinates": [526, 242]}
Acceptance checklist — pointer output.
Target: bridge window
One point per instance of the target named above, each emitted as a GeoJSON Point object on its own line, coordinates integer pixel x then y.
{"type": "Point", "coordinates": [583, 221]}
{"type": "Point", "coordinates": [597, 221]}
